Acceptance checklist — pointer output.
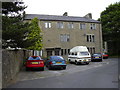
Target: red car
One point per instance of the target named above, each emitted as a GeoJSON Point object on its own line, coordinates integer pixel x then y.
{"type": "Point", "coordinates": [105, 55]}
{"type": "Point", "coordinates": [34, 62]}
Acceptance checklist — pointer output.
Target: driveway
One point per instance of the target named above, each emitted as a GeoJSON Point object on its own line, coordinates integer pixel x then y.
{"type": "Point", "coordinates": [95, 75]}
{"type": "Point", "coordinates": [71, 68]}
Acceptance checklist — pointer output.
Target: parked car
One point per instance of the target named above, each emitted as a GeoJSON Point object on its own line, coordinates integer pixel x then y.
{"type": "Point", "coordinates": [34, 62]}
{"type": "Point", "coordinates": [56, 62]}
{"type": "Point", "coordinates": [105, 56]}
{"type": "Point", "coordinates": [79, 55]}
{"type": "Point", "coordinates": [96, 57]}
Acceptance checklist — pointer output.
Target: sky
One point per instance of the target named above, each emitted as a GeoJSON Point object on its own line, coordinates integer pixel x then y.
{"type": "Point", "coordinates": [73, 7]}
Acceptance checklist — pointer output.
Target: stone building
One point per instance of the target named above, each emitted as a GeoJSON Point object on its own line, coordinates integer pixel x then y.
{"type": "Point", "coordinates": [61, 33]}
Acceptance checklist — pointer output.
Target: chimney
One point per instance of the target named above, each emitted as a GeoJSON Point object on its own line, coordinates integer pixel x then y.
{"type": "Point", "coordinates": [89, 15]}
{"type": "Point", "coordinates": [65, 14]}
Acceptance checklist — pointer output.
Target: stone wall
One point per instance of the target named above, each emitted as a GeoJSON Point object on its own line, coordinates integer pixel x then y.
{"type": "Point", "coordinates": [12, 63]}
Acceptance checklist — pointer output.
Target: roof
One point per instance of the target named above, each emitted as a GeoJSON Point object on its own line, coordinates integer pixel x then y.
{"type": "Point", "coordinates": [78, 49]}
{"type": "Point", "coordinates": [59, 18]}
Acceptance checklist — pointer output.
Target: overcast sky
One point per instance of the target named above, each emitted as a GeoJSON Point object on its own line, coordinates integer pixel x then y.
{"type": "Point", "coordinates": [73, 7]}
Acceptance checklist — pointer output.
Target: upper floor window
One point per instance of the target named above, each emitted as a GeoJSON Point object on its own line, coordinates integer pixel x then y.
{"type": "Point", "coordinates": [92, 26]}
{"type": "Point", "coordinates": [70, 25]}
{"type": "Point", "coordinates": [90, 38]}
{"type": "Point", "coordinates": [60, 25]}
{"type": "Point", "coordinates": [64, 37]}
{"type": "Point", "coordinates": [82, 26]}
{"type": "Point", "coordinates": [47, 25]}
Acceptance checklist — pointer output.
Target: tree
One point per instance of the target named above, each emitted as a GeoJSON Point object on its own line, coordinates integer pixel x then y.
{"type": "Point", "coordinates": [110, 19]}
{"type": "Point", "coordinates": [13, 8]}
{"type": "Point", "coordinates": [12, 24]}
{"type": "Point", "coordinates": [35, 35]}
{"type": "Point", "coordinates": [16, 32]}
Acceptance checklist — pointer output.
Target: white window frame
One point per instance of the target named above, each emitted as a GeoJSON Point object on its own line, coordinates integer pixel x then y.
{"type": "Point", "coordinates": [48, 25]}
{"type": "Point", "coordinates": [70, 25]}
{"type": "Point", "coordinates": [90, 38]}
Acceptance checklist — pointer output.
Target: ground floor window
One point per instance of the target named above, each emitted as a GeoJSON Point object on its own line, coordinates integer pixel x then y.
{"type": "Point", "coordinates": [49, 53]}
{"type": "Point", "coordinates": [62, 52]}
{"type": "Point", "coordinates": [57, 52]}
{"type": "Point", "coordinates": [91, 50]}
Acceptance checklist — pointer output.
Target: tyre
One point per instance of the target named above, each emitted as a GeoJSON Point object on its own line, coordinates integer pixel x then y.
{"type": "Point", "coordinates": [76, 63]}
{"type": "Point", "coordinates": [87, 63]}
{"type": "Point", "coordinates": [70, 61]}
{"type": "Point", "coordinates": [64, 67]}
{"type": "Point", "coordinates": [27, 69]}
{"type": "Point", "coordinates": [49, 67]}
{"type": "Point", "coordinates": [42, 69]}
{"type": "Point", "coordinates": [101, 60]}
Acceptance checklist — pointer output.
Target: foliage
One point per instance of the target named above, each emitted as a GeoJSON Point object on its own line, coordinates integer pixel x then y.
{"type": "Point", "coordinates": [12, 7]}
{"type": "Point", "coordinates": [16, 32]}
{"type": "Point", "coordinates": [35, 35]}
{"type": "Point", "coordinates": [110, 19]}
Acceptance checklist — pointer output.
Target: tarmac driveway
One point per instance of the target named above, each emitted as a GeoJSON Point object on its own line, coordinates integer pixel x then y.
{"type": "Point", "coordinates": [71, 68]}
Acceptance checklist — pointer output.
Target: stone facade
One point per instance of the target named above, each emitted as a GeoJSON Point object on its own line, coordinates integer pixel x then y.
{"type": "Point", "coordinates": [61, 33]}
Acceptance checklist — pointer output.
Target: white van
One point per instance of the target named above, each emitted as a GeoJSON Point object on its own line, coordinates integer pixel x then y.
{"type": "Point", "coordinates": [79, 54]}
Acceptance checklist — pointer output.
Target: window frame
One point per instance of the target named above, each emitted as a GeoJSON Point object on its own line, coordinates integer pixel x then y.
{"type": "Point", "coordinates": [60, 25]}
{"type": "Point", "coordinates": [92, 26]}
{"type": "Point", "coordinates": [70, 25]}
{"type": "Point", "coordinates": [90, 38]}
{"type": "Point", "coordinates": [82, 26]}
{"type": "Point", "coordinates": [64, 37]}
{"type": "Point", "coordinates": [48, 24]}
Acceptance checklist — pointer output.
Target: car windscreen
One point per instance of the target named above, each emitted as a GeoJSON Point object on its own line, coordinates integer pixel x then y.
{"type": "Point", "coordinates": [34, 58]}
{"type": "Point", "coordinates": [56, 58]}
{"type": "Point", "coordinates": [97, 55]}
{"type": "Point", "coordinates": [84, 53]}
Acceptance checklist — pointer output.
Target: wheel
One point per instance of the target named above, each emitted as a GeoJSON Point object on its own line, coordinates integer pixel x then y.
{"type": "Point", "coordinates": [27, 69]}
{"type": "Point", "coordinates": [49, 67]}
{"type": "Point", "coordinates": [42, 69]}
{"type": "Point", "coordinates": [87, 63]}
{"type": "Point", "coordinates": [76, 63]}
{"type": "Point", "coordinates": [101, 60]}
{"type": "Point", "coordinates": [70, 61]}
{"type": "Point", "coordinates": [64, 67]}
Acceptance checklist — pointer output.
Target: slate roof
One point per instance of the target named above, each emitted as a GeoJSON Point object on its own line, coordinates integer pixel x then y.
{"type": "Point", "coordinates": [59, 18]}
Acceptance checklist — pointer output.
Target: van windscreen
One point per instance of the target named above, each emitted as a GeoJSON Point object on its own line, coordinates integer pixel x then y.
{"type": "Point", "coordinates": [84, 53]}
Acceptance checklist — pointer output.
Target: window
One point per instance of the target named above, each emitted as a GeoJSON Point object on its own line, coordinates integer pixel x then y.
{"type": "Point", "coordinates": [90, 38]}
{"type": "Point", "coordinates": [34, 58]}
{"type": "Point", "coordinates": [72, 53]}
{"type": "Point", "coordinates": [92, 50]}
{"type": "Point", "coordinates": [75, 53]}
{"type": "Point", "coordinates": [56, 52]}
{"type": "Point", "coordinates": [93, 38]}
{"type": "Point", "coordinates": [70, 25]}
{"type": "Point", "coordinates": [84, 53]}
{"type": "Point", "coordinates": [49, 53]}
{"type": "Point", "coordinates": [68, 51]}
{"type": "Point", "coordinates": [92, 26]}
{"type": "Point", "coordinates": [65, 51]}
{"type": "Point", "coordinates": [82, 26]}
{"type": "Point", "coordinates": [64, 37]}
{"type": "Point", "coordinates": [47, 25]}
{"type": "Point", "coordinates": [61, 51]}
{"type": "Point", "coordinates": [60, 25]}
